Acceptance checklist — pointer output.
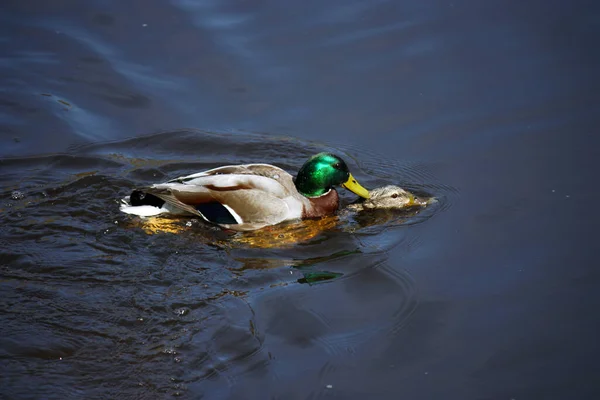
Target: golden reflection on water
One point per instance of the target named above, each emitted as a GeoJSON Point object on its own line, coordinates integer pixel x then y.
{"type": "Point", "coordinates": [278, 236]}
{"type": "Point", "coordinates": [284, 235]}
{"type": "Point", "coordinates": [155, 225]}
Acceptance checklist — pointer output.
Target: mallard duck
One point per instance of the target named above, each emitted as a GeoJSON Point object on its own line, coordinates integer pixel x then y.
{"type": "Point", "coordinates": [250, 196]}
{"type": "Point", "coordinates": [390, 197]}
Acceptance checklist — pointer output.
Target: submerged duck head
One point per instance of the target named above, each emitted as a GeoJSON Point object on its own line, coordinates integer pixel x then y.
{"type": "Point", "coordinates": [322, 172]}
{"type": "Point", "coordinates": [390, 197]}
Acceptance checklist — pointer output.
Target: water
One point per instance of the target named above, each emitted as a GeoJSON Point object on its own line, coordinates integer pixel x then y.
{"type": "Point", "coordinates": [488, 294]}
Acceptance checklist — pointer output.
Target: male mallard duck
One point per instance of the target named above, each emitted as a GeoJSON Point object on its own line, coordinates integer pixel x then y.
{"type": "Point", "coordinates": [250, 196]}
{"type": "Point", "coordinates": [390, 197]}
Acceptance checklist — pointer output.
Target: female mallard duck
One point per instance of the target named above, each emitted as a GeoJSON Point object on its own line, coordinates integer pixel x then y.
{"type": "Point", "coordinates": [250, 196]}
{"type": "Point", "coordinates": [390, 197]}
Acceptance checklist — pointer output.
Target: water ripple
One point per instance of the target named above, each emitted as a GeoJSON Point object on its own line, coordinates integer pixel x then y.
{"type": "Point", "coordinates": [178, 304]}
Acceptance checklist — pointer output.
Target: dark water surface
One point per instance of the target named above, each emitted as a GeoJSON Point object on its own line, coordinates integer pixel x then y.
{"type": "Point", "coordinates": [490, 293]}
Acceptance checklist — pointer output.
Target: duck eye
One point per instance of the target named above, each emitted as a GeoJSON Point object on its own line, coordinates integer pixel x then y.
{"type": "Point", "coordinates": [395, 195]}
{"type": "Point", "coordinates": [337, 165]}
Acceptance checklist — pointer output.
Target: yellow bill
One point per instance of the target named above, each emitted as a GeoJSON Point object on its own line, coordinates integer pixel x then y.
{"type": "Point", "coordinates": [352, 185]}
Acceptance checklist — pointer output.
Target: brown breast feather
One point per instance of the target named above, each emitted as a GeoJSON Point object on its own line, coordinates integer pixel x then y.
{"type": "Point", "coordinates": [326, 204]}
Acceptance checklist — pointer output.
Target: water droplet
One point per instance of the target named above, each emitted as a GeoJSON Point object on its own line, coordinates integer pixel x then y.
{"type": "Point", "coordinates": [17, 195]}
{"type": "Point", "coordinates": [182, 311]}
{"type": "Point", "coordinates": [329, 386]}
{"type": "Point", "coordinates": [188, 224]}
{"type": "Point", "coordinates": [144, 25]}
{"type": "Point", "coordinates": [177, 359]}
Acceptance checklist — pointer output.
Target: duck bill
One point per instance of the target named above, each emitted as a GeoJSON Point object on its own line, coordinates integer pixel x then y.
{"type": "Point", "coordinates": [352, 185]}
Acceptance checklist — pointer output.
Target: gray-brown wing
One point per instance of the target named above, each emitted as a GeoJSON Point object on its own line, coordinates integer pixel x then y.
{"type": "Point", "coordinates": [251, 199]}
{"type": "Point", "coordinates": [264, 170]}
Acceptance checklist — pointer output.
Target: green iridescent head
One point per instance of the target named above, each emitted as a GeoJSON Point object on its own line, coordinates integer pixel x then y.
{"type": "Point", "coordinates": [324, 171]}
